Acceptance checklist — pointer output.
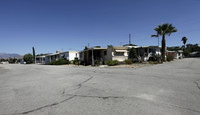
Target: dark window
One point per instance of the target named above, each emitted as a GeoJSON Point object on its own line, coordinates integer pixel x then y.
{"type": "Point", "coordinates": [119, 53]}
{"type": "Point", "coordinates": [150, 50]}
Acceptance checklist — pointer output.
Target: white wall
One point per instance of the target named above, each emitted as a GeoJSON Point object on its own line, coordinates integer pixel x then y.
{"type": "Point", "coordinates": [112, 56]}
{"type": "Point", "coordinates": [120, 58]}
{"type": "Point", "coordinates": [72, 55]}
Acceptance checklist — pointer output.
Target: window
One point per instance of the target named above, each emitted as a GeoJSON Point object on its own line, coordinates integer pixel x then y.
{"type": "Point", "coordinates": [150, 50]}
{"type": "Point", "coordinates": [119, 53]}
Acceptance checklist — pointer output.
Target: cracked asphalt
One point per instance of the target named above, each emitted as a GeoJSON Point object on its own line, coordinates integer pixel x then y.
{"type": "Point", "coordinates": [164, 89]}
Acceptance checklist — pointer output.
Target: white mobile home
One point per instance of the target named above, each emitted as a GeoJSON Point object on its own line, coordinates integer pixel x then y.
{"type": "Point", "coordinates": [68, 55]}
{"type": "Point", "coordinates": [117, 53]}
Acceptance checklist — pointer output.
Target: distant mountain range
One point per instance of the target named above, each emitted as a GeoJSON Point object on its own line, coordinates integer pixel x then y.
{"type": "Point", "coordinates": [10, 55]}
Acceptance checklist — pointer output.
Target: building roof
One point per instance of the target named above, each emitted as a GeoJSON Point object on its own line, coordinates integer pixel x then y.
{"type": "Point", "coordinates": [41, 56]}
{"type": "Point", "coordinates": [69, 52]}
{"type": "Point", "coordinates": [93, 48]}
{"type": "Point", "coordinates": [150, 47]}
{"type": "Point", "coordinates": [52, 54]}
{"type": "Point", "coordinates": [120, 48]}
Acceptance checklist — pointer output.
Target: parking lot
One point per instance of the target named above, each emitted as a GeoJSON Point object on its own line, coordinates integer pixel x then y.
{"type": "Point", "coordinates": [171, 88]}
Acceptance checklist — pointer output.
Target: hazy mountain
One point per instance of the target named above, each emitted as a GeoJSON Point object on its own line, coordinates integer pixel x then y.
{"type": "Point", "coordinates": [10, 55]}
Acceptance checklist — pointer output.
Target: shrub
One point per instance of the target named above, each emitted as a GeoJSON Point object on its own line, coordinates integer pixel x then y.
{"type": "Point", "coordinates": [59, 62]}
{"type": "Point", "coordinates": [128, 61]}
{"type": "Point", "coordinates": [186, 53]}
{"type": "Point", "coordinates": [153, 62]}
{"type": "Point", "coordinates": [170, 57]}
{"type": "Point", "coordinates": [76, 61]}
{"type": "Point", "coordinates": [12, 60]}
{"type": "Point", "coordinates": [198, 54]}
{"type": "Point", "coordinates": [28, 58]}
{"type": "Point", "coordinates": [112, 62]}
{"type": "Point", "coordinates": [96, 62]}
{"type": "Point", "coordinates": [155, 58]}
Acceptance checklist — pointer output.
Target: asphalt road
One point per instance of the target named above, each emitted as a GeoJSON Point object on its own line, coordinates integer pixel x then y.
{"type": "Point", "coordinates": [165, 89]}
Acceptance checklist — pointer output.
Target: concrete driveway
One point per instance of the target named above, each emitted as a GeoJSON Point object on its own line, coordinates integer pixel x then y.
{"type": "Point", "coordinates": [165, 89]}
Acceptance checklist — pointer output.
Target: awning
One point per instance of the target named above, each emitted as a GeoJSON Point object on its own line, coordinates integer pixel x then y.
{"type": "Point", "coordinates": [120, 50]}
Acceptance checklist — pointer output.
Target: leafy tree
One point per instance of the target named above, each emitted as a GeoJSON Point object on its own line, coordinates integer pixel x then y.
{"type": "Point", "coordinates": [33, 54]}
{"type": "Point", "coordinates": [186, 52]}
{"type": "Point", "coordinates": [184, 39]}
{"type": "Point", "coordinates": [109, 45]}
{"type": "Point", "coordinates": [2, 60]}
{"type": "Point", "coordinates": [129, 45]}
{"type": "Point", "coordinates": [10, 60]}
{"type": "Point", "coordinates": [28, 58]}
{"type": "Point", "coordinates": [132, 53]}
{"type": "Point", "coordinates": [176, 48]}
{"type": "Point", "coordinates": [162, 30]}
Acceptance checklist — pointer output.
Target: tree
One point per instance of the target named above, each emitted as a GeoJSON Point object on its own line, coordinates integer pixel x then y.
{"type": "Point", "coordinates": [184, 39]}
{"type": "Point", "coordinates": [162, 30]}
{"type": "Point", "coordinates": [10, 60]}
{"type": "Point", "coordinates": [33, 54]}
{"type": "Point", "coordinates": [132, 53]}
{"type": "Point", "coordinates": [28, 58]}
{"type": "Point", "coordinates": [86, 48]}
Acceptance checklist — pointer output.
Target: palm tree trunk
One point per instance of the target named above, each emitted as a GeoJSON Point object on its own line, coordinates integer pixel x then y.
{"type": "Point", "coordinates": [184, 47]}
{"type": "Point", "coordinates": [163, 48]}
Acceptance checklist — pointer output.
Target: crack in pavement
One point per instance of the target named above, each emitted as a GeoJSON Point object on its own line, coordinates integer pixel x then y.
{"type": "Point", "coordinates": [197, 84]}
{"type": "Point", "coordinates": [50, 105]}
{"type": "Point", "coordinates": [56, 103]}
{"type": "Point", "coordinates": [80, 84]}
{"type": "Point", "coordinates": [102, 97]}
{"type": "Point", "coordinates": [124, 97]}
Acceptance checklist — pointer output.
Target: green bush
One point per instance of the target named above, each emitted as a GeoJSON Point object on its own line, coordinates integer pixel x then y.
{"type": "Point", "coordinates": [186, 53]}
{"type": "Point", "coordinates": [132, 53]}
{"type": "Point", "coordinates": [76, 61]}
{"type": "Point", "coordinates": [112, 62]}
{"type": "Point", "coordinates": [198, 54]}
{"type": "Point", "coordinates": [128, 61]}
{"type": "Point", "coordinates": [59, 62]}
{"type": "Point", "coordinates": [28, 58]}
{"type": "Point", "coordinates": [170, 58]}
{"type": "Point", "coordinates": [155, 58]}
{"type": "Point", "coordinates": [153, 62]}
{"type": "Point", "coordinates": [12, 60]}
{"type": "Point", "coordinates": [96, 62]}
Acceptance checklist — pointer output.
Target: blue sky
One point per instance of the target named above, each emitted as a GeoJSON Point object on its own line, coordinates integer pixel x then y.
{"type": "Point", "coordinates": [51, 25]}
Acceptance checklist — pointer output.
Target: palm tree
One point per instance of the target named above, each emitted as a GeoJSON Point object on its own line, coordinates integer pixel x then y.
{"type": "Point", "coordinates": [34, 54]}
{"type": "Point", "coordinates": [162, 30]}
{"type": "Point", "coordinates": [184, 39]}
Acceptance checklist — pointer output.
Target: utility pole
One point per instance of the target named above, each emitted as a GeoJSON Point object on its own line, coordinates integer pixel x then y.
{"type": "Point", "coordinates": [92, 57]}
{"type": "Point", "coordinates": [129, 39]}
